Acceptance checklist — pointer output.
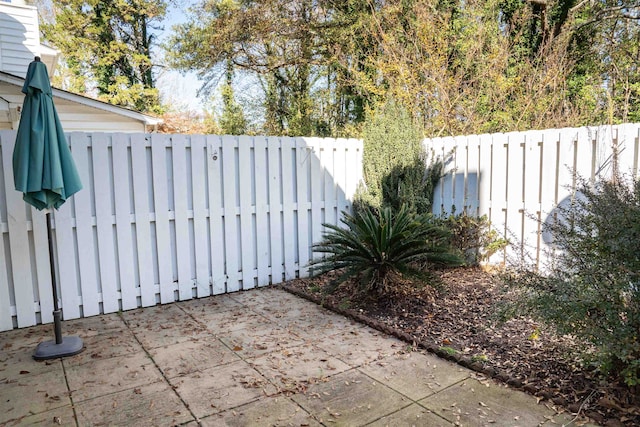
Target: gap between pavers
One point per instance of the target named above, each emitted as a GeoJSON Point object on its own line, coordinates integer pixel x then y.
{"type": "Point", "coordinates": [32, 394]}
{"type": "Point", "coordinates": [416, 374]}
{"type": "Point", "coordinates": [350, 399]}
{"type": "Point", "coordinates": [487, 403]}
{"type": "Point", "coordinates": [149, 405]}
{"type": "Point", "coordinates": [270, 411]}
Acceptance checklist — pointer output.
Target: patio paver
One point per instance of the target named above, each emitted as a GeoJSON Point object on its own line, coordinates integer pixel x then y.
{"type": "Point", "coordinates": [350, 399]}
{"type": "Point", "coordinates": [222, 387]}
{"type": "Point", "coordinates": [271, 411]}
{"type": "Point", "coordinates": [254, 358]}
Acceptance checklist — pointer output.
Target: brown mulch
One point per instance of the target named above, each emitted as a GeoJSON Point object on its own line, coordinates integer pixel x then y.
{"type": "Point", "coordinates": [459, 323]}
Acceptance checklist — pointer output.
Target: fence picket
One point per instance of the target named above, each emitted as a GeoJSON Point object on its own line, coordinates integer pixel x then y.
{"type": "Point", "coordinates": [43, 266]}
{"type": "Point", "coordinates": [6, 321]}
{"type": "Point", "coordinates": [317, 204]}
{"type": "Point", "coordinates": [514, 201]}
{"type": "Point", "coordinates": [484, 174]}
{"type": "Point", "coordinates": [289, 232]}
{"type": "Point", "coordinates": [497, 214]}
{"type": "Point", "coordinates": [263, 209]}
{"type": "Point", "coordinates": [231, 221]}
{"type": "Point", "coordinates": [472, 169]}
{"type": "Point", "coordinates": [199, 200]}
{"type": "Point", "coordinates": [447, 180]}
{"type": "Point", "coordinates": [84, 226]}
{"type": "Point", "coordinates": [533, 178]}
{"type": "Point", "coordinates": [435, 149]}
{"type": "Point", "coordinates": [104, 223]}
{"type": "Point", "coordinates": [216, 213]}
{"type": "Point", "coordinates": [142, 220]}
{"type": "Point", "coordinates": [354, 168]}
{"type": "Point", "coordinates": [181, 222]}
{"type": "Point", "coordinates": [275, 206]}
{"type": "Point", "coordinates": [161, 211]}
{"type": "Point", "coordinates": [303, 155]}
{"type": "Point", "coordinates": [459, 174]}
{"type": "Point", "coordinates": [340, 178]}
{"type": "Point", "coordinates": [123, 206]}
{"type": "Point", "coordinates": [246, 189]}
{"type": "Point", "coordinates": [67, 265]}
{"type": "Point", "coordinates": [327, 150]}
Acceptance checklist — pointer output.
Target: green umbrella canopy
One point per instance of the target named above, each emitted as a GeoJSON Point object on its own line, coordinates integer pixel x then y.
{"type": "Point", "coordinates": [43, 169]}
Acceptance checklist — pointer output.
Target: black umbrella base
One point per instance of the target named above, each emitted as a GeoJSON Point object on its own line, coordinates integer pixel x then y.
{"type": "Point", "coordinates": [50, 350]}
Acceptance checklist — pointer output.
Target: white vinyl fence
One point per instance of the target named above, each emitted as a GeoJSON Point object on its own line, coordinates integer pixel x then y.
{"type": "Point", "coordinates": [164, 218]}
{"type": "Point", "coordinates": [517, 179]}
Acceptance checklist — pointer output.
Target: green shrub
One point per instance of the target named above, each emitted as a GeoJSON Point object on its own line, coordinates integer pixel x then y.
{"type": "Point", "coordinates": [591, 289]}
{"type": "Point", "coordinates": [396, 171]}
{"type": "Point", "coordinates": [377, 248]}
{"type": "Point", "coordinates": [473, 237]}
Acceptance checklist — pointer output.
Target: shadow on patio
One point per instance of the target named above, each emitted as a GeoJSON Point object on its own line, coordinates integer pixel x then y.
{"type": "Point", "coordinates": [261, 357]}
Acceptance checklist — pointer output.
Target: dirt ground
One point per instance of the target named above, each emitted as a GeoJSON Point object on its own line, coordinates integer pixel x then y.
{"type": "Point", "coordinates": [459, 322]}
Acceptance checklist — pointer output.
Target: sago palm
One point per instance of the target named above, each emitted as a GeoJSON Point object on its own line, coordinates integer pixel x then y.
{"type": "Point", "coordinates": [375, 248]}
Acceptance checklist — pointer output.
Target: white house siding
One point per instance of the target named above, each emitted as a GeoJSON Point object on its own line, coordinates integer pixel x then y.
{"type": "Point", "coordinates": [19, 37]}
{"type": "Point", "coordinates": [76, 117]}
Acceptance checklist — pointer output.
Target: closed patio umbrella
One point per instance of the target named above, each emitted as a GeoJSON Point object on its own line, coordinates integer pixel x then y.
{"type": "Point", "coordinates": [44, 171]}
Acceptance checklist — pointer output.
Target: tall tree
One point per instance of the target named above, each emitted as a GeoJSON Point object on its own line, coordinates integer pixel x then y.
{"type": "Point", "coordinates": [299, 50]}
{"type": "Point", "coordinates": [106, 46]}
{"type": "Point", "coordinates": [232, 121]}
{"type": "Point", "coordinates": [459, 66]}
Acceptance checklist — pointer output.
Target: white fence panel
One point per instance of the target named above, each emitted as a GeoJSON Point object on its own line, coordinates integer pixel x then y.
{"type": "Point", "coordinates": [163, 218]}
{"type": "Point", "coordinates": [521, 177]}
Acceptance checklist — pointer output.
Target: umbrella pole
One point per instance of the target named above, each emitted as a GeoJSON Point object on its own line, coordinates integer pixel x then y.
{"type": "Point", "coordinates": [57, 314]}
{"type": "Point", "coordinates": [61, 346]}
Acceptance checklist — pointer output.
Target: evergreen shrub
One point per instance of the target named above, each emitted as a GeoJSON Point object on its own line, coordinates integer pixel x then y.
{"type": "Point", "coordinates": [591, 289]}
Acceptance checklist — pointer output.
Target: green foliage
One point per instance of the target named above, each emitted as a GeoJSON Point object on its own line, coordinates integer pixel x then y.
{"type": "Point", "coordinates": [449, 350]}
{"type": "Point", "coordinates": [479, 358]}
{"type": "Point", "coordinates": [459, 67]}
{"type": "Point", "coordinates": [592, 288]}
{"type": "Point", "coordinates": [232, 120]}
{"type": "Point", "coordinates": [394, 162]}
{"type": "Point", "coordinates": [107, 45]}
{"type": "Point", "coordinates": [299, 52]}
{"type": "Point", "coordinates": [473, 237]}
{"type": "Point", "coordinates": [375, 249]}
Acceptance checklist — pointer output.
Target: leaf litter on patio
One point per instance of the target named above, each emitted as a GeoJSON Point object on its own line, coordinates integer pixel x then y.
{"type": "Point", "coordinates": [461, 321]}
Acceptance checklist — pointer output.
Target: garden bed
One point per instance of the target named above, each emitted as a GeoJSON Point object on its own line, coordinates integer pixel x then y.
{"type": "Point", "coordinates": [460, 323]}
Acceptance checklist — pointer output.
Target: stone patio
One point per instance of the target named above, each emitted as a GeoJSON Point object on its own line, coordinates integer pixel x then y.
{"type": "Point", "coordinates": [256, 358]}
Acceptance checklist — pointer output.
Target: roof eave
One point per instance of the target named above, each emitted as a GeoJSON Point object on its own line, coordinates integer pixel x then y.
{"type": "Point", "coordinates": [90, 102]}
